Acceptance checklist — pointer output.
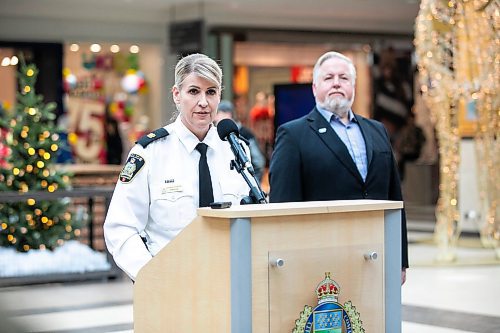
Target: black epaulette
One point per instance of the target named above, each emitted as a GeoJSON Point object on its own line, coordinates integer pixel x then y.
{"type": "Point", "coordinates": [155, 135]}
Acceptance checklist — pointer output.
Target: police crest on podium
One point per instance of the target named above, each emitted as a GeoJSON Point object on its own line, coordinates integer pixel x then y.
{"type": "Point", "coordinates": [329, 316]}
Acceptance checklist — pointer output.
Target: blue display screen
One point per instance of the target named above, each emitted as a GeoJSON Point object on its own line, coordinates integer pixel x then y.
{"type": "Point", "coordinates": [292, 101]}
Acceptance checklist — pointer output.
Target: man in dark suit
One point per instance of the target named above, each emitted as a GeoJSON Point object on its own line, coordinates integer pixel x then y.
{"type": "Point", "coordinates": [332, 153]}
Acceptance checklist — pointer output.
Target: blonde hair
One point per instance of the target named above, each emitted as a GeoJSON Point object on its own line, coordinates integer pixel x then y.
{"type": "Point", "coordinates": [333, 54]}
{"type": "Point", "coordinates": [201, 65]}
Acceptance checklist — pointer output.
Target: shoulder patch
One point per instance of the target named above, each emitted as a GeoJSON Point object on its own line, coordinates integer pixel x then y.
{"type": "Point", "coordinates": [132, 166]}
{"type": "Point", "coordinates": [153, 136]}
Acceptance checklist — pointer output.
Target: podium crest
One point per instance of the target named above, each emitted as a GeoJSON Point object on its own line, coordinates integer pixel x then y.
{"type": "Point", "coordinates": [329, 316]}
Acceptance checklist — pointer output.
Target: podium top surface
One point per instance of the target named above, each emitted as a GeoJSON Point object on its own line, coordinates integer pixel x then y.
{"type": "Point", "coordinates": [300, 208]}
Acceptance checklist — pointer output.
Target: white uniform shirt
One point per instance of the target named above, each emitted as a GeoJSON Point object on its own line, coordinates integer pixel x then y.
{"type": "Point", "coordinates": [162, 197]}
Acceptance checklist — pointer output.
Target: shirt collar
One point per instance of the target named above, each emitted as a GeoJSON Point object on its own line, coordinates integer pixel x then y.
{"type": "Point", "coordinates": [189, 140]}
{"type": "Point", "coordinates": [330, 115]}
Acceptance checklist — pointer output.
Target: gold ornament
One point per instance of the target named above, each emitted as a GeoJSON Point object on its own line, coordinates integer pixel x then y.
{"type": "Point", "coordinates": [457, 49]}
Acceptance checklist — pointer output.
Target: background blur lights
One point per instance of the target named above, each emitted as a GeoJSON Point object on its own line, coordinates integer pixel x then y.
{"type": "Point", "coordinates": [134, 49]}
{"type": "Point", "coordinates": [6, 61]}
{"type": "Point", "coordinates": [95, 48]}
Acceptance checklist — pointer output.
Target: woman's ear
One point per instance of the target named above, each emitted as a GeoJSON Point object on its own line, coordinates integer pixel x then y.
{"type": "Point", "coordinates": [176, 95]}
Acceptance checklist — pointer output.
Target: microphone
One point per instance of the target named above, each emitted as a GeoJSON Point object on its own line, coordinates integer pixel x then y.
{"type": "Point", "coordinates": [228, 131]}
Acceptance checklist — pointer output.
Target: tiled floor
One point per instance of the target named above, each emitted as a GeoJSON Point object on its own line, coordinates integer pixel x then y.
{"type": "Point", "coordinates": [452, 299]}
{"type": "Point", "coordinates": [457, 298]}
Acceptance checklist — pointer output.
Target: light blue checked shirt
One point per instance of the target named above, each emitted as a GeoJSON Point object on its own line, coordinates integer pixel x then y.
{"type": "Point", "coordinates": [351, 136]}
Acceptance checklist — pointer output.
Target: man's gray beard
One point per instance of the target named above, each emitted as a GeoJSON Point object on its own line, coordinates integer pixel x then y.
{"type": "Point", "coordinates": [338, 106]}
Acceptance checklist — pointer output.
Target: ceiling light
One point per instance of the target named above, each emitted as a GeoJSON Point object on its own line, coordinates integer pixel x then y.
{"type": "Point", "coordinates": [74, 47]}
{"type": "Point", "coordinates": [6, 61]}
{"type": "Point", "coordinates": [95, 48]}
{"type": "Point", "coordinates": [134, 49]}
{"type": "Point", "coordinates": [114, 48]}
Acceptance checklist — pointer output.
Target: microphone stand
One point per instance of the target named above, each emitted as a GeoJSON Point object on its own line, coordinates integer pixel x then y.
{"type": "Point", "coordinates": [256, 195]}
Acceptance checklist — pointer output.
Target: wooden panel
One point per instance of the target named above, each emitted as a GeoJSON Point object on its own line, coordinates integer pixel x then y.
{"type": "Point", "coordinates": [293, 285]}
{"type": "Point", "coordinates": [301, 208]}
{"type": "Point", "coordinates": [186, 287]}
{"type": "Point", "coordinates": [317, 232]}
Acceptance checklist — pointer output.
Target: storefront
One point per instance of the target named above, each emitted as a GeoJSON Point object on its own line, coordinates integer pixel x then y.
{"type": "Point", "coordinates": [107, 94]}
{"type": "Point", "coordinates": [271, 71]}
{"type": "Point", "coordinates": [112, 97]}
{"type": "Point", "coordinates": [128, 82]}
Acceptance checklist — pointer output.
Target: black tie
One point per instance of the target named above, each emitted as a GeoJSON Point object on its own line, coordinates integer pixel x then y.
{"type": "Point", "coordinates": [205, 182]}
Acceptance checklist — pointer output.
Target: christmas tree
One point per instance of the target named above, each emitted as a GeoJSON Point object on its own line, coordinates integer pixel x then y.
{"type": "Point", "coordinates": [33, 141]}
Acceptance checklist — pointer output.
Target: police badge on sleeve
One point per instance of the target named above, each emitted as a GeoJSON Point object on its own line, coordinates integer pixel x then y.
{"type": "Point", "coordinates": [329, 316]}
{"type": "Point", "coordinates": [131, 168]}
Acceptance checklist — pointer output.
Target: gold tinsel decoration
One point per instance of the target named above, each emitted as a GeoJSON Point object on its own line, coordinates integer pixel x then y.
{"type": "Point", "coordinates": [457, 45]}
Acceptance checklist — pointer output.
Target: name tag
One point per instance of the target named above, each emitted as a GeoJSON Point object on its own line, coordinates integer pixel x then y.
{"type": "Point", "coordinates": [171, 189]}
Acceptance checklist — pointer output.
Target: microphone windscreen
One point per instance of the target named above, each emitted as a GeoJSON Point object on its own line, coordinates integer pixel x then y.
{"type": "Point", "coordinates": [225, 127]}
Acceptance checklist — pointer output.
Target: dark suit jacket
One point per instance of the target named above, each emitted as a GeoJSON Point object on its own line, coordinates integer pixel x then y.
{"type": "Point", "coordinates": [310, 165]}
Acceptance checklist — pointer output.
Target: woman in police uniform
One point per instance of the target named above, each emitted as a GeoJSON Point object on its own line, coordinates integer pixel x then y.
{"type": "Point", "coordinates": [157, 193]}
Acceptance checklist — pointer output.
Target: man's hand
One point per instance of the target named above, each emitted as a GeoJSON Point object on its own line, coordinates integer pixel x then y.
{"type": "Point", "coordinates": [403, 275]}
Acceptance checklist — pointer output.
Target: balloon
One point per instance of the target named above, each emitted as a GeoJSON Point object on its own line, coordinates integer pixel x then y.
{"type": "Point", "coordinates": [130, 83]}
{"type": "Point", "coordinates": [70, 80]}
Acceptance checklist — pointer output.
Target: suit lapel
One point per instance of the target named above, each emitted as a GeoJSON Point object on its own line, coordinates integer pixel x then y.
{"type": "Point", "coordinates": [325, 132]}
{"type": "Point", "coordinates": [368, 139]}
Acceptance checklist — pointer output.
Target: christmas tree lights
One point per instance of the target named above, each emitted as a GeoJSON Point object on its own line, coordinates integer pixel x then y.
{"type": "Point", "coordinates": [30, 166]}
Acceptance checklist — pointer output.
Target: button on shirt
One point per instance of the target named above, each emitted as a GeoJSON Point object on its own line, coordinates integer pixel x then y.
{"type": "Point", "coordinates": [162, 198]}
{"type": "Point", "coordinates": [351, 136]}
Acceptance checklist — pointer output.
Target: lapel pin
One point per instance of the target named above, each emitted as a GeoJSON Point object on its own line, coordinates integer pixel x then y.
{"type": "Point", "coordinates": [322, 130]}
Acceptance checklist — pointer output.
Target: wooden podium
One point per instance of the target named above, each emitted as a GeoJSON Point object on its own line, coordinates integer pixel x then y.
{"type": "Point", "coordinates": [253, 268]}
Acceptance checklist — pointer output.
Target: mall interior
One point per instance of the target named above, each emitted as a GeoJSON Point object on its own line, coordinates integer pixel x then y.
{"type": "Point", "coordinates": [428, 70]}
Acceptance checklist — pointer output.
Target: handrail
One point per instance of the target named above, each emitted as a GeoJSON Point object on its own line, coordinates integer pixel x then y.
{"type": "Point", "coordinates": [12, 196]}
{"type": "Point", "coordinates": [88, 192]}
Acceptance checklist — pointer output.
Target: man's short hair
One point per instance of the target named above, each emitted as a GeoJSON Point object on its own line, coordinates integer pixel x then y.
{"type": "Point", "coordinates": [226, 106]}
{"type": "Point", "coordinates": [338, 55]}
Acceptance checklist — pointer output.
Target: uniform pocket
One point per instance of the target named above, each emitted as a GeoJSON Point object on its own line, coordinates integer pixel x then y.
{"type": "Point", "coordinates": [172, 207]}
{"type": "Point", "coordinates": [233, 189]}
{"type": "Point", "coordinates": [170, 196]}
